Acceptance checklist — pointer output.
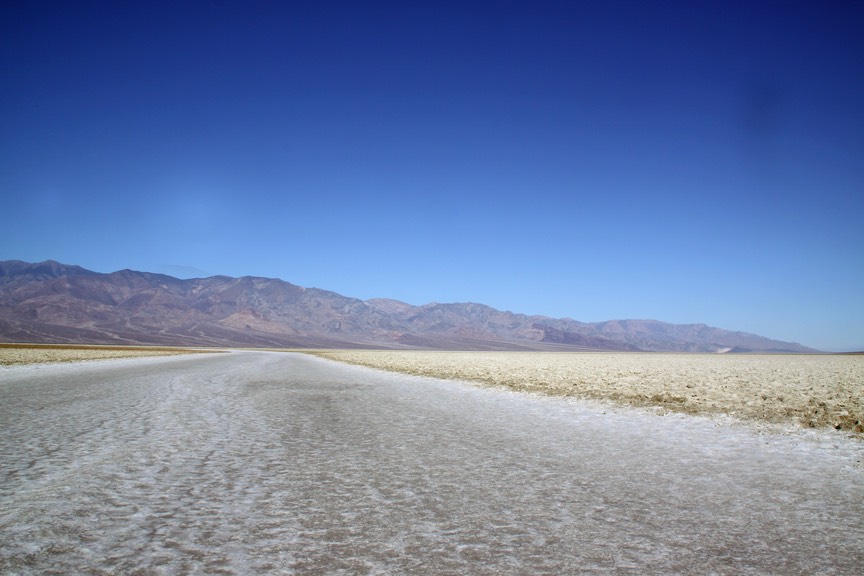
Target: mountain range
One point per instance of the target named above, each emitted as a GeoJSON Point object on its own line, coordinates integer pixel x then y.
{"type": "Point", "coordinates": [49, 302]}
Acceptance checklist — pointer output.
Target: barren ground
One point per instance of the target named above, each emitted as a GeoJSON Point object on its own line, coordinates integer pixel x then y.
{"type": "Point", "coordinates": [273, 463]}
{"type": "Point", "coordinates": [816, 391]}
{"type": "Point", "coordinates": [15, 354]}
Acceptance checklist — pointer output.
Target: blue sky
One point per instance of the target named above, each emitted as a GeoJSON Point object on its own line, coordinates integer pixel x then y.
{"type": "Point", "coordinates": [592, 160]}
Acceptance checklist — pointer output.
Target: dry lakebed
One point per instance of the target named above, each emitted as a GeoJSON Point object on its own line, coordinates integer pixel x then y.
{"type": "Point", "coordinates": [816, 391]}
{"type": "Point", "coordinates": [269, 462]}
{"type": "Point", "coordinates": [15, 354]}
{"type": "Point", "coordinates": [813, 391]}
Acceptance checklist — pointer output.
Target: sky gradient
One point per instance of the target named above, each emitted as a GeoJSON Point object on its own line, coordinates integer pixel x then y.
{"type": "Point", "coordinates": [591, 160]}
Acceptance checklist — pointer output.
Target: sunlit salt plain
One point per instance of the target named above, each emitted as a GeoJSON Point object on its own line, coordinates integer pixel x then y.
{"type": "Point", "coordinates": [17, 354]}
{"type": "Point", "coordinates": [255, 462]}
{"type": "Point", "coordinates": [809, 390]}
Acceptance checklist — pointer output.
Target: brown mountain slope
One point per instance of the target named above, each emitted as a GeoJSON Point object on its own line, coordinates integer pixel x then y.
{"type": "Point", "coordinates": [52, 302]}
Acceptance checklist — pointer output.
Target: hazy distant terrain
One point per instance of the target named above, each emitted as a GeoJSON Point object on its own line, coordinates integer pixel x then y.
{"type": "Point", "coordinates": [50, 302]}
{"type": "Point", "coordinates": [15, 354]}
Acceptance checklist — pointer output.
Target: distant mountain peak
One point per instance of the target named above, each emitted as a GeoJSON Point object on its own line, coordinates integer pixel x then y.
{"type": "Point", "coordinates": [52, 302]}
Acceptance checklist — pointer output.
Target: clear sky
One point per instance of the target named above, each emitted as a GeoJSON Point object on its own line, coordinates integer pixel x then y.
{"type": "Point", "coordinates": [681, 161]}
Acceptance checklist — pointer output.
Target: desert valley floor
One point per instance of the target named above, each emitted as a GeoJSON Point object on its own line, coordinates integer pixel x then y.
{"type": "Point", "coordinates": [810, 390]}
{"type": "Point", "coordinates": [270, 462]}
{"type": "Point", "coordinates": [816, 391]}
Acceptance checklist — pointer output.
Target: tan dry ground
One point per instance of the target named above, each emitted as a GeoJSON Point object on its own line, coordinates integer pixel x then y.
{"type": "Point", "coordinates": [16, 354]}
{"type": "Point", "coordinates": [811, 390]}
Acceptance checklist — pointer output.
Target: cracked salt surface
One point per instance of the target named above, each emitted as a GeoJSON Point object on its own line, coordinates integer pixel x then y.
{"type": "Point", "coordinates": [255, 462]}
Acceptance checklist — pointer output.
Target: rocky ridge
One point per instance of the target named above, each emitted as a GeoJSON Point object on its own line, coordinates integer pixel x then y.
{"type": "Point", "coordinates": [50, 302]}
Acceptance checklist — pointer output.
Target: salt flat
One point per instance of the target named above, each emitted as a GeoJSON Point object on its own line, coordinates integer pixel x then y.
{"type": "Point", "coordinates": [17, 354]}
{"type": "Point", "coordinates": [255, 462]}
{"type": "Point", "coordinates": [809, 390]}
